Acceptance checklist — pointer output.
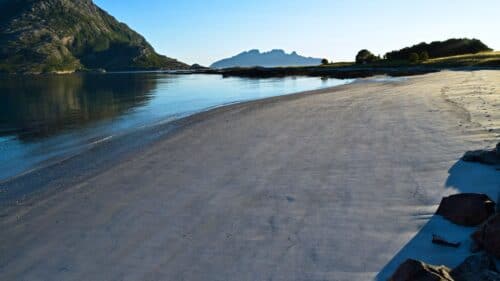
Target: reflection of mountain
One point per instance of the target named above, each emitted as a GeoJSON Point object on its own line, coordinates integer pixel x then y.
{"type": "Point", "coordinates": [273, 58]}
{"type": "Point", "coordinates": [42, 106]}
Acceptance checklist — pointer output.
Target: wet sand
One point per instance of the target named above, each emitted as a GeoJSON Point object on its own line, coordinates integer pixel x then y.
{"type": "Point", "coordinates": [329, 185]}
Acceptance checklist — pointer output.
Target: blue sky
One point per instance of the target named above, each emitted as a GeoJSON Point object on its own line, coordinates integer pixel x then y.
{"type": "Point", "coordinates": [197, 31]}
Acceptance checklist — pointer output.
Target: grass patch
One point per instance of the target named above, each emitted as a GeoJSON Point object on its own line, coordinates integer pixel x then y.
{"type": "Point", "coordinates": [479, 59]}
{"type": "Point", "coordinates": [482, 59]}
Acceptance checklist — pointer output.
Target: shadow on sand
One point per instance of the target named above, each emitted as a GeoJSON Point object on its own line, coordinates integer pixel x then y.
{"type": "Point", "coordinates": [463, 177]}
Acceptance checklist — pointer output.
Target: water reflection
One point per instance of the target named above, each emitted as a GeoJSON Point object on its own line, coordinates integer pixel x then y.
{"type": "Point", "coordinates": [47, 118]}
{"type": "Point", "coordinates": [41, 106]}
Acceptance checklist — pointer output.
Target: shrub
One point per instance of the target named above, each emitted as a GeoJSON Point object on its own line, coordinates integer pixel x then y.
{"type": "Point", "coordinates": [364, 56]}
{"type": "Point", "coordinates": [324, 61]}
{"type": "Point", "coordinates": [413, 57]}
{"type": "Point", "coordinates": [423, 56]}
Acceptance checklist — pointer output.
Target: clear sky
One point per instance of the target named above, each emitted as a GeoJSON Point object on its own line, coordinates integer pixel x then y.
{"type": "Point", "coordinates": [203, 31]}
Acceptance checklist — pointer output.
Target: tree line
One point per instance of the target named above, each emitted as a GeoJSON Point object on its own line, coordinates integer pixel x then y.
{"type": "Point", "coordinates": [425, 51]}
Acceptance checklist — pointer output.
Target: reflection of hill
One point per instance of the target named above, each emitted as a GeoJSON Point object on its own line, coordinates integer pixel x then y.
{"type": "Point", "coordinates": [37, 107]}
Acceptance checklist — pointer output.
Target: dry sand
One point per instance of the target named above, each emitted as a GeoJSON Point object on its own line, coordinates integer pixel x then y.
{"type": "Point", "coordinates": [325, 186]}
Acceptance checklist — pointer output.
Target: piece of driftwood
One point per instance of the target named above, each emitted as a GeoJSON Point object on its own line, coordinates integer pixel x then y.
{"type": "Point", "coordinates": [441, 241]}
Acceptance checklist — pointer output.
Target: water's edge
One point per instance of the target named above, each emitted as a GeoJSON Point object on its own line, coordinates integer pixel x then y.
{"type": "Point", "coordinates": [64, 172]}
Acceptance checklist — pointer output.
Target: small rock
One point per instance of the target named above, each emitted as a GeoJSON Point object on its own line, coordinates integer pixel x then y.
{"type": "Point", "coordinates": [441, 241]}
{"type": "Point", "coordinates": [489, 157]}
{"type": "Point", "coordinates": [476, 267]}
{"type": "Point", "coordinates": [413, 270]}
{"type": "Point", "coordinates": [468, 209]}
{"type": "Point", "coordinates": [488, 236]}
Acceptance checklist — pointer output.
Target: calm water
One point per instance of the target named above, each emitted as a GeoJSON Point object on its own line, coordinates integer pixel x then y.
{"type": "Point", "coordinates": [48, 117]}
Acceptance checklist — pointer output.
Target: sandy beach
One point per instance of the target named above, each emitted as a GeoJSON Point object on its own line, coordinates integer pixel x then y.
{"type": "Point", "coordinates": [337, 184]}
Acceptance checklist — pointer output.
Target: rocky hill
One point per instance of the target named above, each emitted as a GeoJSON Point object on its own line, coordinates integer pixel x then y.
{"type": "Point", "coordinates": [38, 36]}
{"type": "Point", "coordinates": [274, 58]}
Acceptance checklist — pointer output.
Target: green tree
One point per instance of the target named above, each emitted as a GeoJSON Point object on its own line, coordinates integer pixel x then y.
{"type": "Point", "coordinates": [413, 57]}
{"type": "Point", "coordinates": [324, 62]}
{"type": "Point", "coordinates": [364, 56]}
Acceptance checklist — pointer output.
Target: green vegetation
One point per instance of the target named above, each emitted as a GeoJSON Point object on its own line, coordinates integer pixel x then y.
{"type": "Point", "coordinates": [471, 52]}
{"type": "Point", "coordinates": [424, 55]}
{"type": "Point", "coordinates": [413, 58]}
{"type": "Point", "coordinates": [324, 62]}
{"type": "Point", "coordinates": [450, 47]}
{"type": "Point", "coordinates": [39, 36]}
{"type": "Point", "coordinates": [479, 59]}
{"type": "Point", "coordinates": [364, 56]}
{"type": "Point", "coordinates": [483, 59]}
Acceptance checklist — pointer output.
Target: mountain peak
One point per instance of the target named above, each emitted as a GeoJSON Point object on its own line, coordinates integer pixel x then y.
{"type": "Point", "coordinates": [253, 51]}
{"type": "Point", "coordinates": [277, 51]}
{"type": "Point", "coordinates": [67, 35]}
{"type": "Point", "coordinates": [273, 58]}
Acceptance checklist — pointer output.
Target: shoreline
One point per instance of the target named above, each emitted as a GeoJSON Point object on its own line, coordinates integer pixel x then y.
{"type": "Point", "coordinates": [338, 72]}
{"type": "Point", "coordinates": [332, 184]}
{"type": "Point", "coordinates": [11, 194]}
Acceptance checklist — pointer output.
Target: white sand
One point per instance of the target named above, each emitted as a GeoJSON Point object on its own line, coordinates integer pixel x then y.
{"type": "Point", "coordinates": [330, 186]}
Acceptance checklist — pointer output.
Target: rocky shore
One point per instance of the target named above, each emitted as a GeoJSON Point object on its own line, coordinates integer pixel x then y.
{"type": "Point", "coordinates": [470, 210]}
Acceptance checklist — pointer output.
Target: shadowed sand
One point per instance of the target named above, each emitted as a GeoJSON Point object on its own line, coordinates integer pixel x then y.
{"type": "Point", "coordinates": [324, 186]}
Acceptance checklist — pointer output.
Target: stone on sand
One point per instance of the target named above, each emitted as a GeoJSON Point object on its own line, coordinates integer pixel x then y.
{"type": "Point", "coordinates": [489, 157]}
{"type": "Point", "coordinates": [467, 209]}
{"type": "Point", "coordinates": [477, 267]}
{"type": "Point", "coordinates": [488, 236]}
{"type": "Point", "coordinates": [413, 270]}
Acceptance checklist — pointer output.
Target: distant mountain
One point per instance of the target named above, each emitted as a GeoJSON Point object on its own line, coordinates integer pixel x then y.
{"type": "Point", "coordinates": [66, 35]}
{"type": "Point", "coordinates": [273, 58]}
